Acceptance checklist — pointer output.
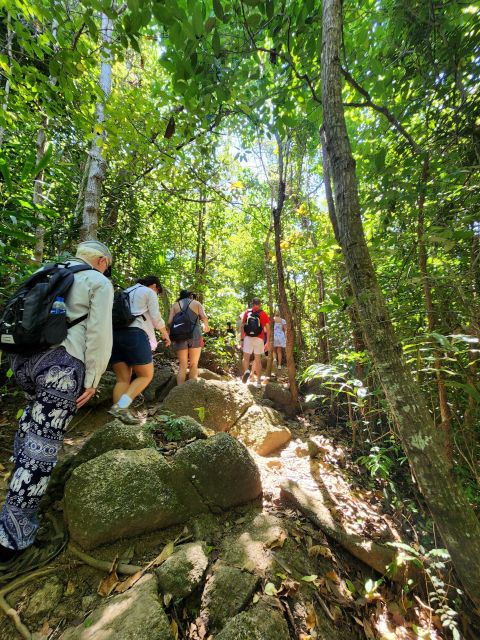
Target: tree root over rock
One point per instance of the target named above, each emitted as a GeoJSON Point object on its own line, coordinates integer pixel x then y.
{"type": "Point", "coordinates": [375, 555]}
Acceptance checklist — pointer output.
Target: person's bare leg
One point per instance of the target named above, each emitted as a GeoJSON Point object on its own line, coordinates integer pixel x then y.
{"type": "Point", "coordinates": [245, 362]}
{"type": "Point", "coordinates": [279, 356]}
{"type": "Point", "coordinates": [257, 366]}
{"type": "Point", "coordinates": [182, 356]}
{"type": "Point", "coordinates": [193, 358]}
{"type": "Point", "coordinates": [123, 374]}
{"type": "Point", "coordinates": [144, 373]}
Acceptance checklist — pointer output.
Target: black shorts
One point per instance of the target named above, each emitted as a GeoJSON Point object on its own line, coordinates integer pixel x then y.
{"type": "Point", "coordinates": [131, 346]}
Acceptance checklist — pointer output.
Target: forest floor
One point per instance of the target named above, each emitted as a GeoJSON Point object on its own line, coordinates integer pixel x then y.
{"type": "Point", "coordinates": [322, 590]}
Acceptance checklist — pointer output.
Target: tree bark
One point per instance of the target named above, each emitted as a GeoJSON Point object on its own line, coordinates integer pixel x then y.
{"type": "Point", "coordinates": [322, 338]}
{"type": "Point", "coordinates": [268, 274]}
{"type": "Point", "coordinates": [97, 165]}
{"type": "Point", "coordinates": [445, 415]}
{"type": "Point", "coordinates": [6, 91]}
{"type": "Point", "coordinates": [282, 293]}
{"type": "Point", "coordinates": [38, 191]}
{"type": "Point", "coordinates": [423, 444]}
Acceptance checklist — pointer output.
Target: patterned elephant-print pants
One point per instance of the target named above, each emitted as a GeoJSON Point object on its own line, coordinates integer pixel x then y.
{"type": "Point", "coordinates": [52, 380]}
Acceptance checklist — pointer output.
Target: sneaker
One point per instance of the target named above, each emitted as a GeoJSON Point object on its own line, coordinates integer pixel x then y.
{"type": "Point", "coordinates": [246, 376]}
{"type": "Point", "coordinates": [124, 415]}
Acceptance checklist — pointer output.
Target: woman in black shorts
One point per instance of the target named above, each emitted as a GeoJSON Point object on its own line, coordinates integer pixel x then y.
{"type": "Point", "coordinates": [188, 351]}
{"type": "Point", "coordinates": [133, 346]}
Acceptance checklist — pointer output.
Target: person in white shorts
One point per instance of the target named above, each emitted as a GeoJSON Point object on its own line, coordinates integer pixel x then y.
{"type": "Point", "coordinates": [254, 332]}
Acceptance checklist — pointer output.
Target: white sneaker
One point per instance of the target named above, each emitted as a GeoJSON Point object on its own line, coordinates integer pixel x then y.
{"type": "Point", "coordinates": [124, 415]}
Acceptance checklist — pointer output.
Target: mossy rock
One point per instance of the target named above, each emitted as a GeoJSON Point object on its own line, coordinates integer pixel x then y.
{"type": "Point", "coordinates": [182, 573]}
{"type": "Point", "coordinates": [178, 429]}
{"type": "Point", "coordinates": [261, 622]}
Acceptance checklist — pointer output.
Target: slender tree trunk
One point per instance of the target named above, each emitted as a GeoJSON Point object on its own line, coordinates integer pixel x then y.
{"type": "Point", "coordinates": [271, 312]}
{"type": "Point", "coordinates": [451, 511]}
{"type": "Point", "coordinates": [201, 249]}
{"type": "Point", "coordinates": [97, 165]}
{"type": "Point", "coordinates": [6, 90]}
{"type": "Point", "coordinates": [38, 191]}
{"type": "Point", "coordinates": [282, 293]}
{"type": "Point", "coordinates": [322, 336]}
{"type": "Point", "coordinates": [445, 415]}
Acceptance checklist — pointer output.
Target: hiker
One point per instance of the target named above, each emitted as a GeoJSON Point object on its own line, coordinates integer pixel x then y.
{"type": "Point", "coordinates": [57, 377]}
{"type": "Point", "coordinates": [133, 345]}
{"type": "Point", "coordinates": [279, 337]}
{"type": "Point", "coordinates": [184, 320]}
{"type": "Point", "coordinates": [254, 333]}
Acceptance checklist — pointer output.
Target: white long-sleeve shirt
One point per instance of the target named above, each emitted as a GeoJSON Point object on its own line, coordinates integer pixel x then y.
{"type": "Point", "coordinates": [90, 340]}
{"type": "Point", "coordinates": [144, 302]}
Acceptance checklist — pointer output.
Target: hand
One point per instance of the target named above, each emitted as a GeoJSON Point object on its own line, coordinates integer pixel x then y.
{"type": "Point", "coordinates": [167, 340]}
{"type": "Point", "coordinates": [206, 329]}
{"type": "Point", "coordinates": [86, 396]}
{"type": "Point", "coordinates": [267, 347]}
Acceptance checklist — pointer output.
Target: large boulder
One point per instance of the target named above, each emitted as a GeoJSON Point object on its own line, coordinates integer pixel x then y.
{"type": "Point", "coordinates": [179, 429]}
{"type": "Point", "coordinates": [262, 429]}
{"type": "Point", "coordinates": [183, 571]}
{"type": "Point", "coordinates": [228, 591]}
{"type": "Point", "coordinates": [220, 404]}
{"type": "Point", "coordinates": [261, 622]}
{"type": "Point", "coordinates": [221, 470]}
{"type": "Point", "coordinates": [136, 614]}
{"type": "Point", "coordinates": [125, 493]}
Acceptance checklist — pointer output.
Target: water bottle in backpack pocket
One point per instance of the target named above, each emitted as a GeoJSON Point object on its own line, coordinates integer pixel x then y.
{"type": "Point", "coordinates": [56, 326]}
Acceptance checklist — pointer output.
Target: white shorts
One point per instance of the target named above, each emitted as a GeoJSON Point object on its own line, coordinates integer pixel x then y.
{"type": "Point", "coordinates": [253, 345]}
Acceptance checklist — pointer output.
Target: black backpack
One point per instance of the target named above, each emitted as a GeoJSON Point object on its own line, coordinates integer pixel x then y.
{"type": "Point", "coordinates": [253, 326]}
{"type": "Point", "coordinates": [27, 325]}
{"type": "Point", "coordinates": [122, 316]}
{"type": "Point", "coordinates": [182, 325]}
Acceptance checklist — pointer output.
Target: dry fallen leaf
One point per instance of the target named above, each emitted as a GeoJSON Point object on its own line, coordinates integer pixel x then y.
{"type": "Point", "coordinates": [70, 588]}
{"type": "Point", "coordinates": [311, 620]}
{"type": "Point", "coordinates": [46, 630]}
{"type": "Point", "coordinates": [320, 550]}
{"type": "Point", "coordinates": [129, 582]}
{"type": "Point", "coordinates": [174, 627]}
{"type": "Point", "coordinates": [167, 598]}
{"type": "Point", "coordinates": [331, 575]}
{"type": "Point", "coordinates": [278, 542]}
{"type": "Point", "coordinates": [109, 582]}
{"type": "Point", "coordinates": [288, 587]}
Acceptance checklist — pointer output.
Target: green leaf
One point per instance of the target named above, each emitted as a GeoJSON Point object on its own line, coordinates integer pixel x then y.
{"type": "Point", "coordinates": [218, 10]}
{"type": "Point", "coordinates": [43, 162]}
{"type": "Point", "coordinates": [5, 171]}
{"type": "Point", "coordinates": [9, 373]}
{"type": "Point", "coordinates": [270, 589]}
{"type": "Point", "coordinates": [197, 19]}
{"type": "Point", "coordinates": [311, 578]}
{"type": "Point", "coordinates": [19, 414]}
{"type": "Point", "coordinates": [216, 46]}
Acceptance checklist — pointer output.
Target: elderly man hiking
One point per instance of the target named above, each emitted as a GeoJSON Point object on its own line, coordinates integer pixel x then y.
{"type": "Point", "coordinates": [57, 329]}
{"type": "Point", "coordinates": [254, 328]}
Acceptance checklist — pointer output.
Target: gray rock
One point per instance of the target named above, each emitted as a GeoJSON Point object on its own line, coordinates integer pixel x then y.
{"type": "Point", "coordinates": [262, 429]}
{"type": "Point", "coordinates": [261, 622]}
{"type": "Point", "coordinates": [280, 396]}
{"type": "Point", "coordinates": [161, 378]}
{"type": "Point", "coordinates": [114, 435]}
{"type": "Point", "coordinates": [134, 615]}
{"type": "Point", "coordinates": [45, 599]}
{"type": "Point", "coordinates": [181, 574]}
{"type": "Point", "coordinates": [124, 493]}
{"type": "Point", "coordinates": [206, 374]}
{"type": "Point", "coordinates": [222, 403]}
{"type": "Point", "coordinates": [228, 591]}
{"type": "Point", "coordinates": [221, 469]}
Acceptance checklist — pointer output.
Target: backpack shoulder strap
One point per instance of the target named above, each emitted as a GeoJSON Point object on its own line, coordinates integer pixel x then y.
{"type": "Point", "coordinates": [80, 267]}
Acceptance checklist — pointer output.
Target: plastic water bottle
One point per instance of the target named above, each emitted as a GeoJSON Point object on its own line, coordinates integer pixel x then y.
{"type": "Point", "coordinates": [58, 307]}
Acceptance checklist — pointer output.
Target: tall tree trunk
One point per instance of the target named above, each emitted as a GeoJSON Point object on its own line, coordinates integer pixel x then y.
{"type": "Point", "coordinates": [423, 444]}
{"type": "Point", "coordinates": [38, 191]}
{"type": "Point", "coordinates": [268, 274]}
{"type": "Point", "coordinates": [322, 336]}
{"type": "Point", "coordinates": [97, 165]}
{"type": "Point", "coordinates": [282, 293]}
{"type": "Point", "coordinates": [430, 310]}
{"type": "Point", "coordinates": [6, 90]}
{"type": "Point", "coordinates": [201, 249]}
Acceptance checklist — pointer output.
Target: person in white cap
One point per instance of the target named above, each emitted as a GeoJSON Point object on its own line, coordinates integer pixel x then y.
{"type": "Point", "coordinates": [57, 382]}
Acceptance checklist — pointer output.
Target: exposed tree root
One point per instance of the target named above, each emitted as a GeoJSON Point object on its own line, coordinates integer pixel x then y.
{"type": "Point", "coordinates": [375, 555]}
{"type": "Point", "coordinates": [103, 565]}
